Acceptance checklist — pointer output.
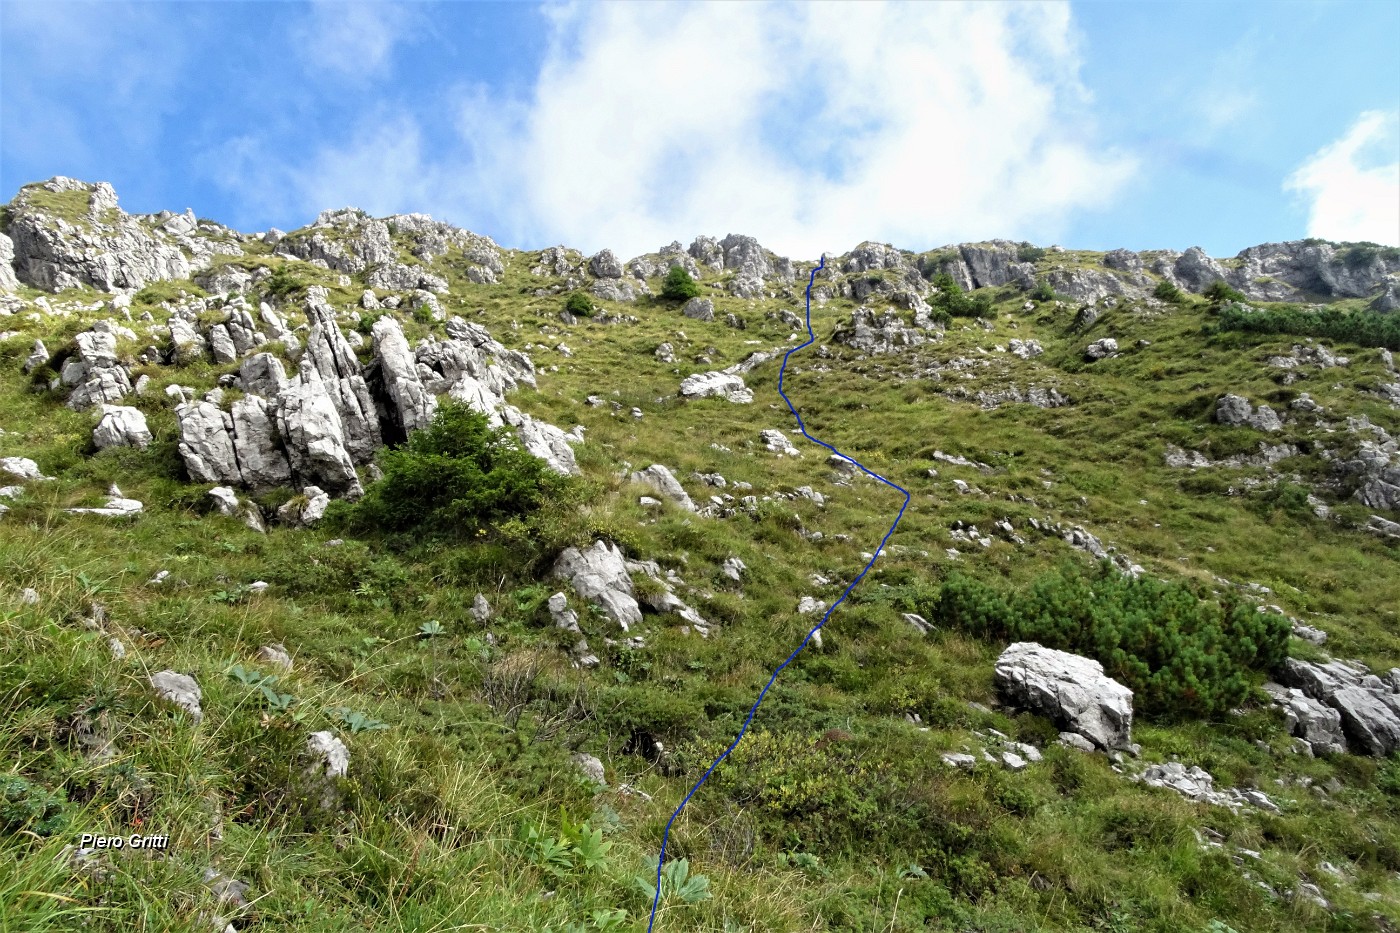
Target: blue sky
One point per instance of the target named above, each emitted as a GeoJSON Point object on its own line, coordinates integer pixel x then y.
{"type": "Point", "coordinates": [812, 127]}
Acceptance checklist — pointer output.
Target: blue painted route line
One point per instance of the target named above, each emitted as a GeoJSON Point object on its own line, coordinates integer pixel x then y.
{"type": "Point", "coordinates": [665, 838]}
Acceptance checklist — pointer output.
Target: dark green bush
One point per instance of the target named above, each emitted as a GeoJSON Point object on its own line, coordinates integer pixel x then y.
{"type": "Point", "coordinates": [1218, 293]}
{"type": "Point", "coordinates": [679, 285]}
{"type": "Point", "coordinates": [1364, 328]}
{"type": "Point", "coordinates": [454, 476]}
{"type": "Point", "coordinates": [1043, 292]}
{"type": "Point", "coordinates": [1166, 291]}
{"type": "Point", "coordinates": [1182, 655]}
{"type": "Point", "coordinates": [1028, 253]}
{"type": "Point", "coordinates": [25, 806]}
{"type": "Point", "coordinates": [952, 300]}
{"type": "Point", "coordinates": [579, 305]}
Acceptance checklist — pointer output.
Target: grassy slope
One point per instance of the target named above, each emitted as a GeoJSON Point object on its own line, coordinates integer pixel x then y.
{"type": "Point", "coordinates": [815, 825]}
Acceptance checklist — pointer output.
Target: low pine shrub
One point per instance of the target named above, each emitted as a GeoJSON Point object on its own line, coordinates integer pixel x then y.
{"type": "Point", "coordinates": [1166, 291]}
{"type": "Point", "coordinates": [1183, 656]}
{"type": "Point", "coordinates": [1218, 293]}
{"type": "Point", "coordinates": [679, 286]}
{"type": "Point", "coordinates": [1364, 328]}
{"type": "Point", "coordinates": [952, 300]}
{"type": "Point", "coordinates": [579, 305]}
{"type": "Point", "coordinates": [455, 475]}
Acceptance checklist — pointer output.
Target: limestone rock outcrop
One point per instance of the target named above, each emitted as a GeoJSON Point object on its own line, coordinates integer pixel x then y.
{"type": "Point", "coordinates": [599, 575]}
{"type": "Point", "coordinates": [1070, 689]}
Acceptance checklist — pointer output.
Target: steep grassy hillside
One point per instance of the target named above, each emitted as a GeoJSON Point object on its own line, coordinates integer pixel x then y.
{"type": "Point", "coordinates": [463, 807]}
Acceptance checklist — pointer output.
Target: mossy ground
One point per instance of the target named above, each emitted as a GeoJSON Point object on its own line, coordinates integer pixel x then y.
{"type": "Point", "coordinates": [836, 814]}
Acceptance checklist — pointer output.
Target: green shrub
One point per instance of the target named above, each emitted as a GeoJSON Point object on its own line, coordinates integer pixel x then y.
{"type": "Point", "coordinates": [579, 305]}
{"type": "Point", "coordinates": [282, 283]}
{"type": "Point", "coordinates": [1166, 291]}
{"type": "Point", "coordinates": [455, 475]}
{"type": "Point", "coordinates": [1028, 253]}
{"type": "Point", "coordinates": [1218, 293]}
{"type": "Point", "coordinates": [1043, 292]}
{"type": "Point", "coordinates": [1364, 328]}
{"type": "Point", "coordinates": [1182, 655]}
{"type": "Point", "coordinates": [952, 300]}
{"type": "Point", "coordinates": [25, 806]}
{"type": "Point", "coordinates": [679, 285]}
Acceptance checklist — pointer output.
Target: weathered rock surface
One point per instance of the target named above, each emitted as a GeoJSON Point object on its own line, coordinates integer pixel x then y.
{"type": "Point", "coordinates": [1369, 706]}
{"type": "Point", "coordinates": [413, 404]}
{"type": "Point", "coordinates": [699, 309]}
{"type": "Point", "coordinates": [666, 485]}
{"type": "Point", "coordinates": [1237, 411]}
{"type": "Point", "coordinates": [1101, 349]}
{"type": "Point", "coordinates": [179, 689]}
{"type": "Point", "coordinates": [206, 443]}
{"type": "Point", "coordinates": [1070, 689]}
{"type": "Point", "coordinates": [1308, 719]}
{"type": "Point", "coordinates": [97, 245]}
{"type": "Point", "coordinates": [886, 333]}
{"type": "Point", "coordinates": [727, 386]}
{"type": "Point", "coordinates": [121, 426]}
{"type": "Point", "coordinates": [599, 575]}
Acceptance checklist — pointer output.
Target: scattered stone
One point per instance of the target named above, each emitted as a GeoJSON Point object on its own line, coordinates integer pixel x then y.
{"type": "Point", "coordinates": [728, 386]}
{"type": "Point", "coordinates": [180, 690]}
{"type": "Point", "coordinates": [480, 610]}
{"type": "Point", "coordinates": [1101, 349]}
{"type": "Point", "coordinates": [599, 575]}
{"type": "Point", "coordinates": [957, 760]}
{"type": "Point", "coordinates": [666, 485]}
{"type": "Point", "coordinates": [22, 468]}
{"type": "Point", "coordinates": [777, 442]}
{"type": "Point", "coordinates": [591, 768]}
{"type": "Point", "coordinates": [733, 568]}
{"type": "Point", "coordinates": [276, 655]}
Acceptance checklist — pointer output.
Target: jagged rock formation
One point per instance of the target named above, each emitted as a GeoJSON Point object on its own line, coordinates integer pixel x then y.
{"type": "Point", "coordinates": [1369, 707]}
{"type": "Point", "coordinates": [884, 334]}
{"type": "Point", "coordinates": [599, 575]}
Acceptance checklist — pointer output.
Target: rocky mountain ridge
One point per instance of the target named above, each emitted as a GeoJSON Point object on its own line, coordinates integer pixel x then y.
{"type": "Point", "coordinates": [65, 233]}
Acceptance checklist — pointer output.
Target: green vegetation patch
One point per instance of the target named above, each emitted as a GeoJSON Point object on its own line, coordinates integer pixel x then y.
{"type": "Point", "coordinates": [1181, 654]}
{"type": "Point", "coordinates": [1364, 328]}
{"type": "Point", "coordinates": [455, 475]}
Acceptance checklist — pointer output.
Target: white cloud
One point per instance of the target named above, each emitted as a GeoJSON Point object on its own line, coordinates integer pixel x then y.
{"type": "Point", "coordinates": [1353, 197]}
{"type": "Point", "coordinates": [353, 40]}
{"type": "Point", "coordinates": [811, 127]}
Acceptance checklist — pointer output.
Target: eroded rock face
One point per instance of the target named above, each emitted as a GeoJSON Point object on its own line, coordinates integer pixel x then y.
{"type": "Point", "coordinates": [413, 404]}
{"type": "Point", "coordinates": [206, 443]}
{"type": "Point", "coordinates": [8, 282]}
{"type": "Point", "coordinates": [1195, 271]}
{"type": "Point", "coordinates": [1316, 723]}
{"type": "Point", "coordinates": [1369, 706]}
{"type": "Point", "coordinates": [1070, 689]}
{"type": "Point", "coordinates": [993, 264]}
{"type": "Point", "coordinates": [310, 427]}
{"type": "Point", "coordinates": [599, 575]}
{"type": "Point", "coordinates": [97, 244]}
{"type": "Point", "coordinates": [886, 333]}
{"type": "Point", "coordinates": [605, 265]}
